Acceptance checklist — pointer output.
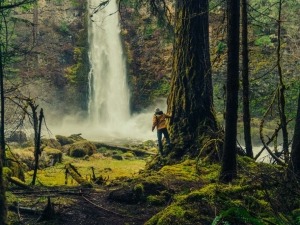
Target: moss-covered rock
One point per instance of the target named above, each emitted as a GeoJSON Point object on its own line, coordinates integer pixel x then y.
{"type": "Point", "coordinates": [63, 140]}
{"type": "Point", "coordinates": [15, 166]}
{"type": "Point", "coordinates": [21, 158]}
{"type": "Point", "coordinates": [128, 155]}
{"type": "Point", "coordinates": [52, 143]}
{"type": "Point", "coordinates": [81, 148]}
{"type": "Point", "coordinates": [50, 156]}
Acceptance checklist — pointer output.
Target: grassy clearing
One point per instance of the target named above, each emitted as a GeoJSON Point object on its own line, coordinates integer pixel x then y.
{"type": "Point", "coordinates": [106, 167]}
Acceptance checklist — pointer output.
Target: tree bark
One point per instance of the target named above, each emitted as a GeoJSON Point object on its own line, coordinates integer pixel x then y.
{"type": "Point", "coordinates": [37, 125]}
{"type": "Point", "coordinates": [281, 92]}
{"type": "Point", "coordinates": [191, 98]}
{"type": "Point", "coordinates": [228, 168]}
{"type": "Point", "coordinates": [3, 209]}
{"type": "Point", "coordinates": [294, 164]}
{"type": "Point", "coordinates": [245, 82]}
{"type": "Point", "coordinates": [2, 130]}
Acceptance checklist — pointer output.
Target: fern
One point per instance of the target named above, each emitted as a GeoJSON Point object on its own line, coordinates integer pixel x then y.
{"type": "Point", "coordinates": [236, 215]}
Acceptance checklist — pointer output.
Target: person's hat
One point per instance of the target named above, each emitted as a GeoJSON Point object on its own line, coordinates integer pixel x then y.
{"type": "Point", "coordinates": [157, 110]}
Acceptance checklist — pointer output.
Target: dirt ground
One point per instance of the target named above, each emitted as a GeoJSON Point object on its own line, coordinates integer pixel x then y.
{"type": "Point", "coordinates": [86, 207]}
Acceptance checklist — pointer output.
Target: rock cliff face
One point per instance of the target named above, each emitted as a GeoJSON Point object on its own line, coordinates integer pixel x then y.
{"type": "Point", "coordinates": [56, 67]}
{"type": "Point", "coordinates": [148, 47]}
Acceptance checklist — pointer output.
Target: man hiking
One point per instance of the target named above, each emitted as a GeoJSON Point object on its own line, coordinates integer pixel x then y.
{"type": "Point", "coordinates": [159, 121]}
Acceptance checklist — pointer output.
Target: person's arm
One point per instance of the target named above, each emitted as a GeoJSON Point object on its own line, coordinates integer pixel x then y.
{"type": "Point", "coordinates": [154, 122]}
{"type": "Point", "coordinates": [167, 115]}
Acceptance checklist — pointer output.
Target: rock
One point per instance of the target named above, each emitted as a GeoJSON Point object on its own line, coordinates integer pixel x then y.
{"type": "Point", "coordinates": [63, 140]}
{"type": "Point", "coordinates": [52, 143]}
{"type": "Point", "coordinates": [81, 149]}
{"type": "Point", "coordinates": [50, 156]}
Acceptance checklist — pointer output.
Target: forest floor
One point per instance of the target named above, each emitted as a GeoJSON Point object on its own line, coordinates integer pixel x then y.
{"type": "Point", "coordinates": [74, 204]}
{"type": "Point", "coordinates": [187, 192]}
{"type": "Point", "coordinates": [81, 206]}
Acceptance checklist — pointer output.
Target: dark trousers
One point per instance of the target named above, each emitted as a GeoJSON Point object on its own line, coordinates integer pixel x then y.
{"type": "Point", "coordinates": [161, 132]}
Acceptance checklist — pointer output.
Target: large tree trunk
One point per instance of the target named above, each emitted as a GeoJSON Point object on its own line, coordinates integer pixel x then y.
{"type": "Point", "coordinates": [228, 169]}
{"type": "Point", "coordinates": [3, 209]}
{"type": "Point", "coordinates": [281, 91]}
{"type": "Point", "coordinates": [245, 74]}
{"type": "Point", "coordinates": [191, 99]}
{"type": "Point", "coordinates": [294, 165]}
{"type": "Point", "coordinates": [2, 128]}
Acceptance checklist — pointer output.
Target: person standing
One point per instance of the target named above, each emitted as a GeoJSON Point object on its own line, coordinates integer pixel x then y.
{"type": "Point", "coordinates": [159, 121]}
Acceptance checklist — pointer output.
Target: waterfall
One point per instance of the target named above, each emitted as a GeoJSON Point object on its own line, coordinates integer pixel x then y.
{"type": "Point", "coordinates": [109, 117]}
{"type": "Point", "coordinates": [109, 93]}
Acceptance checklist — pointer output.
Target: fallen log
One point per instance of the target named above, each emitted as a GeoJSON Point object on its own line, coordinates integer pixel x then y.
{"type": "Point", "coordinates": [17, 208]}
{"type": "Point", "coordinates": [70, 169]}
{"type": "Point", "coordinates": [18, 182]}
{"type": "Point", "coordinates": [137, 152]}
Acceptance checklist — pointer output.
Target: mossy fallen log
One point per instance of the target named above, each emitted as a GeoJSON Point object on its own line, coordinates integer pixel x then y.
{"type": "Point", "coordinates": [137, 152]}
{"type": "Point", "coordinates": [70, 169]}
{"type": "Point", "coordinates": [17, 208]}
{"type": "Point", "coordinates": [18, 182]}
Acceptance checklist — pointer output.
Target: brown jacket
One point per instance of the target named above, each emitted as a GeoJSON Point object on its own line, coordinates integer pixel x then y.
{"type": "Point", "coordinates": [159, 121]}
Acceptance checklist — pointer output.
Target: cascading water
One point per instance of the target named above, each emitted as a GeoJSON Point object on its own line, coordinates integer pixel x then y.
{"type": "Point", "coordinates": [108, 113]}
{"type": "Point", "coordinates": [109, 93]}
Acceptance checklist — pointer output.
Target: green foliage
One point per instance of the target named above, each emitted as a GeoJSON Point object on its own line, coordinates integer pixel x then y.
{"type": "Point", "coordinates": [156, 200]}
{"type": "Point", "coordinates": [129, 3]}
{"type": "Point", "coordinates": [138, 191]}
{"type": "Point", "coordinates": [221, 47]}
{"type": "Point", "coordinates": [148, 30]}
{"type": "Point", "coordinates": [264, 41]}
{"type": "Point", "coordinates": [58, 2]}
{"type": "Point", "coordinates": [64, 28]}
{"type": "Point", "coordinates": [162, 89]}
{"type": "Point", "coordinates": [174, 215]}
{"type": "Point", "coordinates": [236, 216]}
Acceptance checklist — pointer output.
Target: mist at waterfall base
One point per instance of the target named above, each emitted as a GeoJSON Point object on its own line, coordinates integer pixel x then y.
{"type": "Point", "coordinates": [136, 128]}
{"type": "Point", "coordinates": [108, 117]}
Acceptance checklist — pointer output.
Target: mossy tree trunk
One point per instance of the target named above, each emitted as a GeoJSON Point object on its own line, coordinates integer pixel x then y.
{"type": "Point", "coordinates": [294, 165]}
{"type": "Point", "coordinates": [245, 81]}
{"type": "Point", "coordinates": [3, 209]}
{"type": "Point", "coordinates": [2, 97]}
{"type": "Point", "coordinates": [191, 98]}
{"type": "Point", "coordinates": [228, 169]}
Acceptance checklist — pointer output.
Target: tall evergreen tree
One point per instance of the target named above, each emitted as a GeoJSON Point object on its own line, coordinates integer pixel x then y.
{"type": "Point", "coordinates": [294, 164]}
{"type": "Point", "coordinates": [228, 169]}
{"type": "Point", "coordinates": [191, 98]}
{"type": "Point", "coordinates": [245, 75]}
